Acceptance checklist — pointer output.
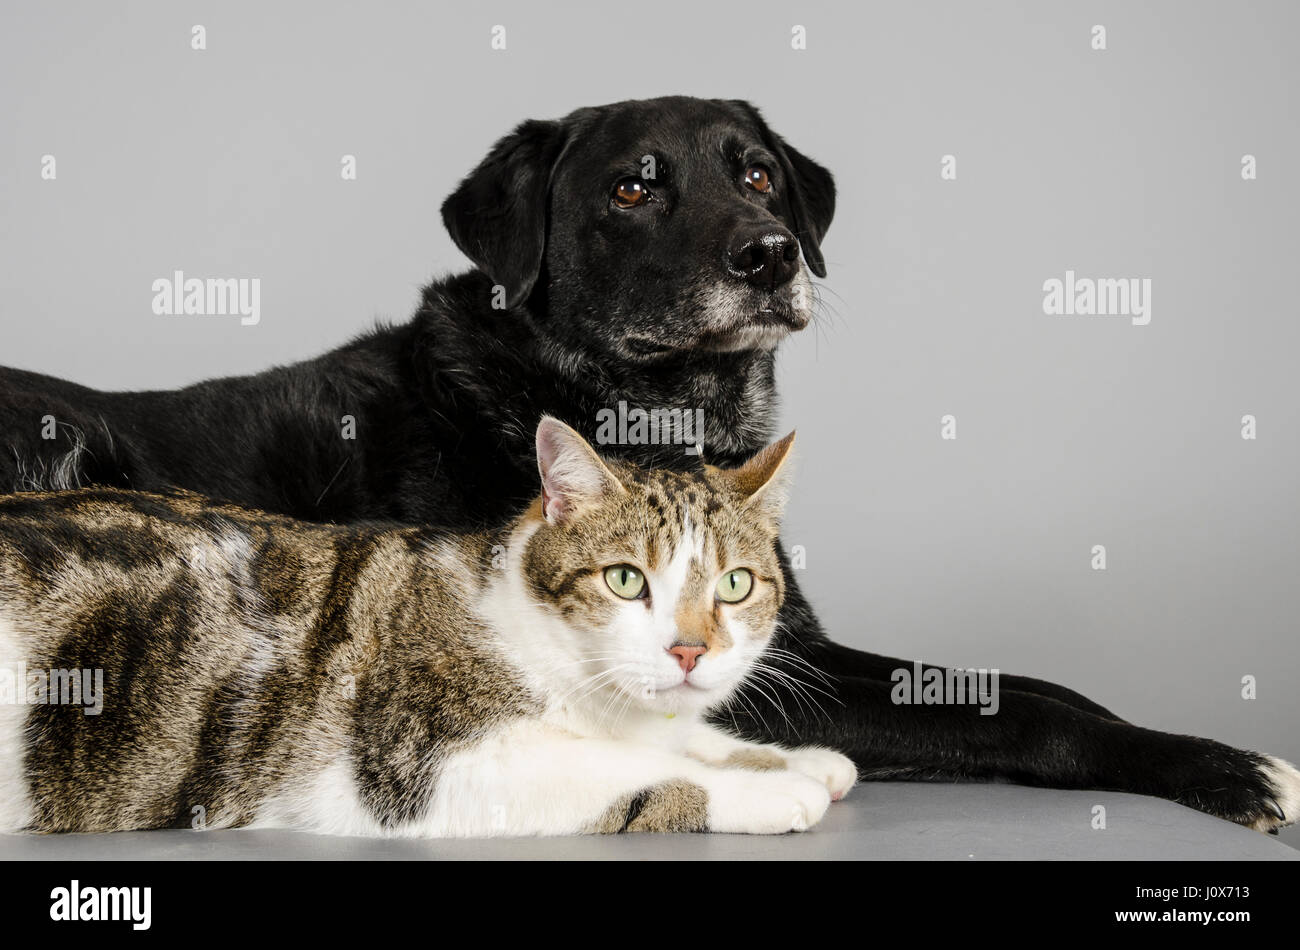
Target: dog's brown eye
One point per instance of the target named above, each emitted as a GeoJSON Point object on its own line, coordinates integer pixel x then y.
{"type": "Point", "coordinates": [630, 192]}
{"type": "Point", "coordinates": [758, 178]}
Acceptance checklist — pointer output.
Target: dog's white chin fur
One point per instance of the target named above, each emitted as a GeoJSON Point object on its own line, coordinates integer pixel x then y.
{"type": "Point", "coordinates": [734, 306]}
{"type": "Point", "coordinates": [758, 337]}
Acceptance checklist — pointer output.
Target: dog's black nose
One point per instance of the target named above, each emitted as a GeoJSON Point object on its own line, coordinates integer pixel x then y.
{"type": "Point", "coordinates": [765, 259]}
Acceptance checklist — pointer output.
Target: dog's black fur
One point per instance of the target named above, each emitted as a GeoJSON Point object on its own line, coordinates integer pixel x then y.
{"type": "Point", "coordinates": [677, 302]}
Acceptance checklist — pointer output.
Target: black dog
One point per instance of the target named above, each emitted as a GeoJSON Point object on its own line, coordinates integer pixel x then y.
{"type": "Point", "coordinates": [646, 253]}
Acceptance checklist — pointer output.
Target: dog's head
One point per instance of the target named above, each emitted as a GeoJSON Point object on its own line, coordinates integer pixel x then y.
{"type": "Point", "coordinates": [650, 227]}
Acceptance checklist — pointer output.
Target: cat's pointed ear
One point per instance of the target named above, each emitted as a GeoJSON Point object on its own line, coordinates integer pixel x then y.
{"type": "Point", "coordinates": [763, 481]}
{"type": "Point", "coordinates": [572, 473]}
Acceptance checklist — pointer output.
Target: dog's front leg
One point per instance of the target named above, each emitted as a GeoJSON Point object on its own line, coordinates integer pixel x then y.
{"type": "Point", "coordinates": [1039, 741]}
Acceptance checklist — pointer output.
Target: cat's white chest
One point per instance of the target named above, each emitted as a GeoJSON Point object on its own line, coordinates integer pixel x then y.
{"type": "Point", "coordinates": [638, 727]}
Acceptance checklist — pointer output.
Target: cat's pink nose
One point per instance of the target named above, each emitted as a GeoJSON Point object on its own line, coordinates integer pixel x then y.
{"type": "Point", "coordinates": [686, 655]}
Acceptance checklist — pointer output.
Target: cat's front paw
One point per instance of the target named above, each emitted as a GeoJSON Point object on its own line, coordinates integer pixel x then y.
{"type": "Point", "coordinates": [765, 803]}
{"type": "Point", "coordinates": [837, 772]}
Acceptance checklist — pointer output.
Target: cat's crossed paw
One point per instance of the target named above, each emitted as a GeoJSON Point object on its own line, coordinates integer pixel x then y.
{"type": "Point", "coordinates": [765, 803]}
{"type": "Point", "coordinates": [837, 772]}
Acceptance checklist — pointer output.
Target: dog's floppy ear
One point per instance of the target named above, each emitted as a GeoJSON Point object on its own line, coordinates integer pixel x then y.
{"type": "Point", "coordinates": [498, 214]}
{"type": "Point", "coordinates": [810, 192]}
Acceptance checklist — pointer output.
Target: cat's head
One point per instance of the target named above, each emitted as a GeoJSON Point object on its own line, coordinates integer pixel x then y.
{"type": "Point", "coordinates": [668, 582]}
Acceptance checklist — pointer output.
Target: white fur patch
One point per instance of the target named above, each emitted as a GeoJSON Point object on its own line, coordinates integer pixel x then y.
{"type": "Point", "coordinates": [15, 798]}
{"type": "Point", "coordinates": [764, 803]}
{"type": "Point", "coordinates": [1285, 779]}
{"type": "Point", "coordinates": [61, 474]}
{"type": "Point", "coordinates": [327, 803]}
{"type": "Point", "coordinates": [732, 306]}
{"type": "Point", "coordinates": [837, 772]}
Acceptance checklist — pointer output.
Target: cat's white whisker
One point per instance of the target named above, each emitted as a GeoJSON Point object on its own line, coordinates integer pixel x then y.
{"type": "Point", "coordinates": [597, 658]}
{"type": "Point", "coordinates": [749, 706]}
{"type": "Point", "coordinates": [795, 660]}
{"type": "Point", "coordinates": [622, 710]}
{"type": "Point", "coordinates": [791, 677]}
{"type": "Point", "coordinates": [777, 682]}
{"type": "Point", "coordinates": [613, 697]}
{"type": "Point", "coordinates": [798, 689]}
{"type": "Point", "coordinates": [594, 681]}
{"type": "Point", "coordinates": [757, 684]}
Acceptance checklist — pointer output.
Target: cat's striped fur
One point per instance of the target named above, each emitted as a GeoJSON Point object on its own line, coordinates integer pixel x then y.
{"type": "Point", "coordinates": [393, 680]}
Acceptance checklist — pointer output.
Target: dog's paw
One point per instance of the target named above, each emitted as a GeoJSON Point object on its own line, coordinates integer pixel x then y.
{"type": "Point", "coordinates": [1281, 804]}
{"type": "Point", "coordinates": [837, 772]}
{"type": "Point", "coordinates": [765, 803]}
{"type": "Point", "coordinates": [1259, 791]}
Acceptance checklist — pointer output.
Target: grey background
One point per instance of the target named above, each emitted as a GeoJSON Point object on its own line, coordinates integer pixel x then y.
{"type": "Point", "coordinates": [1073, 431]}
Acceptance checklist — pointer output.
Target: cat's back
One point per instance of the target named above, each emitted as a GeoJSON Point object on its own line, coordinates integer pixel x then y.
{"type": "Point", "coordinates": [236, 654]}
{"type": "Point", "coordinates": [72, 549]}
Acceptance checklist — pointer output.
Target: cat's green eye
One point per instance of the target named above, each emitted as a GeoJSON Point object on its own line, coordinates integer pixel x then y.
{"type": "Point", "coordinates": [625, 581]}
{"type": "Point", "coordinates": [735, 586]}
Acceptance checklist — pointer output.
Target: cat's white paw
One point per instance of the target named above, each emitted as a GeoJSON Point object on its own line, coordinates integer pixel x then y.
{"type": "Point", "coordinates": [765, 803]}
{"type": "Point", "coordinates": [837, 772]}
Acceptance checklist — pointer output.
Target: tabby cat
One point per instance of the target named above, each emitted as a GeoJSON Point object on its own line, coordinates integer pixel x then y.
{"type": "Point", "coordinates": [169, 661]}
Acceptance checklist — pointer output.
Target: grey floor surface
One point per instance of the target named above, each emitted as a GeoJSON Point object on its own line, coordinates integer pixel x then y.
{"type": "Point", "coordinates": [894, 821]}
